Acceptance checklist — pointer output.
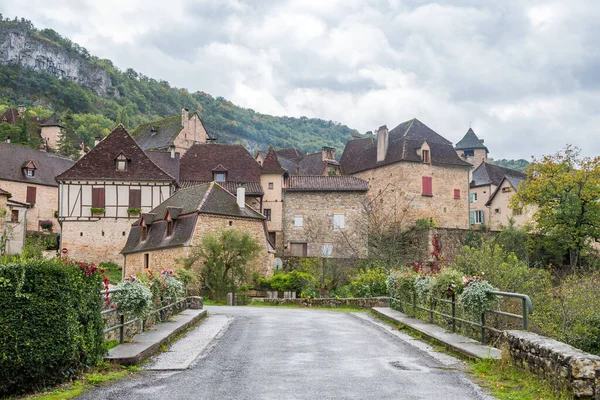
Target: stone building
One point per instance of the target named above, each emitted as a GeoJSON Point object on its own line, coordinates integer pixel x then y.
{"type": "Point", "coordinates": [297, 163]}
{"type": "Point", "coordinates": [13, 223]}
{"type": "Point", "coordinates": [174, 228]}
{"type": "Point", "coordinates": [471, 149]}
{"type": "Point", "coordinates": [48, 128]}
{"type": "Point", "coordinates": [229, 165]}
{"type": "Point", "coordinates": [178, 132]}
{"type": "Point", "coordinates": [272, 179]}
{"type": "Point", "coordinates": [484, 181]}
{"type": "Point", "coordinates": [28, 175]}
{"type": "Point", "coordinates": [413, 173]}
{"type": "Point", "coordinates": [325, 216]}
{"type": "Point", "coordinates": [104, 193]}
{"type": "Point", "coordinates": [498, 205]}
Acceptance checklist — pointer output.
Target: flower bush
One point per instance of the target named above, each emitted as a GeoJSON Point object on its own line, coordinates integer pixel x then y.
{"type": "Point", "coordinates": [133, 297]}
{"type": "Point", "coordinates": [476, 297]}
{"type": "Point", "coordinates": [448, 282]}
{"type": "Point", "coordinates": [401, 283]}
{"type": "Point", "coordinates": [424, 288]}
{"type": "Point", "coordinates": [172, 288]}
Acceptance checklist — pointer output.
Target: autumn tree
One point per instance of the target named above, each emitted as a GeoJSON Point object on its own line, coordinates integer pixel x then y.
{"type": "Point", "coordinates": [564, 189]}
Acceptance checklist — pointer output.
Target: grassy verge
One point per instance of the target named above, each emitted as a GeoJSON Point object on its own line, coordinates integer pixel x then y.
{"type": "Point", "coordinates": [503, 380]}
{"type": "Point", "coordinates": [289, 305]}
{"type": "Point", "coordinates": [105, 372]}
{"type": "Point", "coordinates": [112, 271]}
{"type": "Point", "coordinates": [209, 302]}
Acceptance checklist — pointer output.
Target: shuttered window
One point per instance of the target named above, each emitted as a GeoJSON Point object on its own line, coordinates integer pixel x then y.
{"type": "Point", "coordinates": [31, 194]}
{"type": "Point", "coordinates": [298, 249]}
{"type": "Point", "coordinates": [98, 197]}
{"type": "Point", "coordinates": [135, 198]}
{"type": "Point", "coordinates": [457, 193]}
{"type": "Point", "coordinates": [427, 186]}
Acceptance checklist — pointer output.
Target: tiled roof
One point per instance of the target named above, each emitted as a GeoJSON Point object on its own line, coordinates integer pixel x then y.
{"type": "Point", "coordinates": [320, 183]}
{"type": "Point", "coordinates": [51, 121]}
{"type": "Point", "coordinates": [470, 142]}
{"type": "Point", "coordinates": [165, 162]}
{"type": "Point", "coordinates": [158, 135]}
{"type": "Point", "coordinates": [289, 153]}
{"type": "Point", "coordinates": [48, 165]}
{"type": "Point", "coordinates": [198, 163]}
{"type": "Point", "coordinates": [10, 116]}
{"type": "Point", "coordinates": [99, 163]}
{"type": "Point", "coordinates": [271, 163]}
{"type": "Point", "coordinates": [312, 164]}
{"type": "Point", "coordinates": [209, 198]}
{"type": "Point", "coordinates": [403, 143]}
{"type": "Point", "coordinates": [252, 188]}
{"type": "Point", "coordinates": [487, 174]}
{"type": "Point", "coordinates": [514, 182]}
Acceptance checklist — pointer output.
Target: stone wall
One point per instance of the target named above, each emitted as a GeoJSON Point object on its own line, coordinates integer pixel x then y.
{"type": "Point", "coordinates": [51, 135]}
{"type": "Point", "coordinates": [560, 364]}
{"type": "Point", "coordinates": [366, 302]}
{"type": "Point", "coordinates": [45, 205]}
{"type": "Point", "coordinates": [157, 260]}
{"type": "Point", "coordinates": [317, 209]}
{"type": "Point", "coordinates": [192, 132]}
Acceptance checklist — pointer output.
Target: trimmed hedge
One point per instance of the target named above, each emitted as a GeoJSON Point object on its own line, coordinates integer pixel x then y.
{"type": "Point", "coordinates": [50, 324]}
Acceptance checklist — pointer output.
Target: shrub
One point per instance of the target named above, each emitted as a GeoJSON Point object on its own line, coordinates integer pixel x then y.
{"type": "Point", "coordinates": [424, 288]}
{"type": "Point", "coordinates": [369, 283]}
{"type": "Point", "coordinates": [401, 283]}
{"type": "Point", "coordinates": [294, 281]}
{"type": "Point", "coordinates": [449, 281]}
{"type": "Point", "coordinates": [172, 288]}
{"type": "Point", "coordinates": [475, 298]}
{"type": "Point", "coordinates": [132, 297]}
{"type": "Point", "coordinates": [46, 225]}
{"type": "Point", "coordinates": [51, 324]}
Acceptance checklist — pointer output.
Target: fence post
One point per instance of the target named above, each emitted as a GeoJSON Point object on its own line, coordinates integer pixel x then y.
{"type": "Point", "coordinates": [122, 329]}
{"type": "Point", "coordinates": [525, 320]}
{"type": "Point", "coordinates": [453, 312]}
{"type": "Point", "coordinates": [414, 305]}
{"type": "Point", "coordinates": [483, 328]}
{"type": "Point", "coordinates": [431, 305]}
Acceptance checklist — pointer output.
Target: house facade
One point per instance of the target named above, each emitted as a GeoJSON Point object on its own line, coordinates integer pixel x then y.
{"type": "Point", "coordinates": [104, 193]}
{"type": "Point", "coordinates": [324, 216]}
{"type": "Point", "coordinates": [173, 229]}
{"type": "Point", "coordinates": [413, 173]}
{"type": "Point", "coordinates": [272, 180]}
{"type": "Point", "coordinates": [28, 175]}
{"type": "Point", "coordinates": [498, 205]}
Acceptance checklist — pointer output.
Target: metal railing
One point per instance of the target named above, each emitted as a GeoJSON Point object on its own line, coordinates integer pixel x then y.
{"type": "Point", "coordinates": [123, 323]}
{"type": "Point", "coordinates": [431, 311]}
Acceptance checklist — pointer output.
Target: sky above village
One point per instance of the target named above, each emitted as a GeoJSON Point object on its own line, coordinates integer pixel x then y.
{"type": "Point", "coordinates": [524, 74]}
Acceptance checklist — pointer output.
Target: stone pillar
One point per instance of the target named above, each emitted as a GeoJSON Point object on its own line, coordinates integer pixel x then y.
{"type": "Point", "coordinates": [195, 302]}
{"type": "Point", "coordinates": [231, 299]}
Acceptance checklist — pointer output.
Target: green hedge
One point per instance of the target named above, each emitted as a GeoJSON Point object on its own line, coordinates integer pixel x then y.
{"type": "Point", "coordinates": [50, 324]}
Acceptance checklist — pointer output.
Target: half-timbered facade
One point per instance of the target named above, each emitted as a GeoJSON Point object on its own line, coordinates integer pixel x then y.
{"type": "Point", "coordinates": [104, 193]}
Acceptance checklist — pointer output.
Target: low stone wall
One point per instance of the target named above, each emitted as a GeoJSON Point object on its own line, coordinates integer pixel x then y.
{"type": "Point", "coordinates": [366, 302]}
{"type": "Point", "coordinates": [562, 365]}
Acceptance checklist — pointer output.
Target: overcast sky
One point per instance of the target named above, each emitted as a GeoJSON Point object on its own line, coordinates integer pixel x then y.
{"type": "Point", "coordinates": [525, 74]}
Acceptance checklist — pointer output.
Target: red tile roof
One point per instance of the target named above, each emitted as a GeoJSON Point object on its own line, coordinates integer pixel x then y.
{"type": "Point", "coordinates": [199, 162]}
{"type": "Point", "coordinates": [271, 163]}
{"type": "Point", "coordinates": [325, 184]}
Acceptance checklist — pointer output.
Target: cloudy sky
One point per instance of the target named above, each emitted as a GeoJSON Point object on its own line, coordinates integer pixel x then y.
{"type": "Point", "coordinates": [524, 73]}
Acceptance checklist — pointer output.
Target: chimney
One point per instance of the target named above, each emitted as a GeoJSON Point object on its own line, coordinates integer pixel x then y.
{"type": "Point", "coordinates": [328, 153]}
{"type": "Point", "coordinates": [7, 138]}
{"type": "Point", "coordinates": [241, 197]}
{"type": "Point", "coordinates": [382, 143]}
{"type": "Point", "coordinates": [172, 150]}
{"type": "Point", "coordinates": [97, 140]}
{"type": "Point", "coordinates": [21, 109]}
{"type": "Point", "coordinates": [184, 117]}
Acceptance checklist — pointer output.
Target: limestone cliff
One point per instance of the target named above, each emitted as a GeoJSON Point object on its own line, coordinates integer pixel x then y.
{"type": "Point", "coordinates": [25, 48]}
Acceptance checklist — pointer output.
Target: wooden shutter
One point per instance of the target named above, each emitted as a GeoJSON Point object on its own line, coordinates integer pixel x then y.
{"type": "Point", "coordinates": [427, 186]}
{"type": "Point", "coordinates": [31, 194]}
{"type": "Point", "coordinates": [457, 193]}
{"type": "Point", "coordinates": [472, 217]}
{"type": "Point", "coordinates": [135, 198]}
{"type": "Point", "coordinates": [98, 197]}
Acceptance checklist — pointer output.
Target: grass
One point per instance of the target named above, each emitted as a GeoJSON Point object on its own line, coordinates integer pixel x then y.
{"type": "Point", "coordinates": [209, 302]}
{"type": "Point", "coordinates": [113, 272]}
{"type": "Point", "coordinates": [290, 305]}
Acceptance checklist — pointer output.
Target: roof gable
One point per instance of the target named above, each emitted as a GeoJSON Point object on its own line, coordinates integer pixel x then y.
{"type": "Point", "coordinates": [513, 181]}
{"type": "Point", "coordinates": [271, 162]}
{"type": "Point", "coordinates": [486, 174]}
{"type": "Point", "coordinates": [99, 163]}
{"type": "Point", "coordinates": [198, 163]}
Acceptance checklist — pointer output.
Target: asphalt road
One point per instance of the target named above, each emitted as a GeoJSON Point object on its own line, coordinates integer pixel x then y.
{"type": "Point", "coordinates": [272, 353]}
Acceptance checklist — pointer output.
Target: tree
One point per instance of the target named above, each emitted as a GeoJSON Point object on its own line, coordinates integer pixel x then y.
{"type": "Point", "coordinates": [565, 189]}
{"type": "Point", "coordinates": [224, 260]}
{"type": "Point", "coordinates": [69, 142]}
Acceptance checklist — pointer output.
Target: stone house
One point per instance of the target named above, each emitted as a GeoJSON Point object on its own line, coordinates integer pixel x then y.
{"type": "Point", "coordinates": [297, 163]}
{"type": "Point", "coordinates": [178, 132]}
{"type": "Point", "coordinates": [413, 173]}
{"type": "Point", "coordinates": [471, 149]}
{"type": "Point", "coordinates": [229, 165]}
{"type": "Point", "coordinates": [103, 193]}
{"type": "Point", "coordinates": [174, 228]}
{"type": "Point", "coordinates": [28, 175]}
{"type": "Point", "coordinates": [272, 180]}
{"type": "Point", "coordinates": [498, 205]}
{"type": "Point", "coordinates": [13, 223]}
{"type": "Point", "coordinates": [49, 128]}
{"type": "Point", "coordinates": [485, 179]}
{"type": "Point", "coordinates": [324, 216]}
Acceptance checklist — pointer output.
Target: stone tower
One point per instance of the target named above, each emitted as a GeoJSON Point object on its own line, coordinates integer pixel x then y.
{"type": "Point", "coordinates": [471, 149]}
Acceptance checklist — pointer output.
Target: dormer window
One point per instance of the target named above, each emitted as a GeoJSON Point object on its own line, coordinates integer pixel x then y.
{"type": "Point", "coordinates": [29, 169]}
{"type": "Point", "coordinates": [144, 231]}
{"type": "Point", "coordinates": [220, 176]}
{"type": "Point", "coordinates": [121, 162]}
{"type": "Point", "coordinates": [169, 228]}
{"type": "Point", "coordinates": [30, 172]}
{"type": "Point", "coordinates": [425, 156]}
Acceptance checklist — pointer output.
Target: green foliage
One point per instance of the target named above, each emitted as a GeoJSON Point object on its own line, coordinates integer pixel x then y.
{"type": "Point", "coordinates": [97, 210]}
{"type": "Point", "coordinates": [69, 144]}
{"type": "Point", "coordinates": [132, 297]}
{"type": "Point", "coordinates": [51, 323]}
{"type": "Point", "coordinates": [112, 271]}
{"type": "Point", "coordinates": [134, 211]}
{"type": "Point", "coordinates": [369, 283]}
{"type": "Point", "coordinates": [449, 281]}
{"type": "Point", "coordinates": [476, 299]}
{"type": "Point", "coordinates": [519, 165]}
{"type": "Point", "coordinates": [37, 242]}
{"type": "Point", "coordinates": [294, 281]}
{"type": "Point", "coordinates": [401, 283]}
{"type": "Point", "coordinates": [424, 288]}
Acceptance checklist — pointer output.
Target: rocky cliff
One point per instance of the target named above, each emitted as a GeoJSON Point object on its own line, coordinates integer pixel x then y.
{"type": "Point", "coordinates": [25, 48]}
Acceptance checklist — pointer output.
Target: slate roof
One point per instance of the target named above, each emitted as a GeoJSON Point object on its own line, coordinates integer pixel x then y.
{"type": "Point", "coordinates": [271, 163]}
{"type": "Point", "coordinates": [48, 165]}
{"type": "Point", "coordinates": [51, 121]}
{"type": "Point", "coordinates": [165, 162]}
{"type": "Point", "coordinates": [470, 142]}
{"type": "Point", "coordinates": [209, 198]}
{"type": "Point", "coordinates": [309, 164]}
{"type": "Point", "coordinates": [99, 163]}
{"type": "Point", "coordinates": [158, 135]}
{"type": "Point", "coordinates": [404, 140]}
{"type": "Point", "coordinates": [289, 153]}
{"type": "Point", "coordinates": [514, 182]}
{"type": "Point", "coordinates": [252, 188]}
{"type": "Point", "coordinates": [198, 163]}
{"type": "Point", "coordinates": [487, 174]}
{"type": "Point", "coordinates": [322, 183]}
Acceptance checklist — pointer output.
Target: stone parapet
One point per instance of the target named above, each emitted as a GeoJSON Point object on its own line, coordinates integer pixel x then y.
{"type": "Point", "coordinates": [366, 302]}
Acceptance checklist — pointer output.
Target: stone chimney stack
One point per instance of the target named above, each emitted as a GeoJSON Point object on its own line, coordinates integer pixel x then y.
{"type": "Point", "coordinates": [21, 109]}
{"type": "Point", "coordinates": [185, 117]}
{"type": "Point", "coordinates": [97, 140]}
{"type": "Point", "coordinates": [172, 150]}
{"type": "Point", "coordinates": [241, 197]}
{"type": "Point", "coordinates": [382, 142]}
{"type": "Point", "coordinates": [328, 153]}
{"type": "Point", "coordinates": [7, 139]}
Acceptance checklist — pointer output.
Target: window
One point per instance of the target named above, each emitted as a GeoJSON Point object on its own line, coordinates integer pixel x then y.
{"type": "Point", "coordinates": [339, 221]}
{"type": "Point", "coordinates": [518, 211]}
{"type": "Point", "coordinates": [30, 172]}
{"type": "Point", "coordinates": [327, 250]}
{"type": "Point", "coordinates": [31, 194]}
{"type": "Point", "coordinates": [473, 197]}
{"type": "Point", "coordinates": [476, 217]}
{"type": "Point", "coordinates": [270, 185]}
{"type": "Point", "coordinates": [169, 228]}
{"type": "Point", "coordinates": [506, 189]}
{"type": "Point", "coordinates": [298, 249]}
{"type": "Point", "coordinates": [220, 176]}
{"type": "Point", "coordinates": [268, 214]}
{"type": "Point", "coordinates": [298, 221]}
{"type": "Point", "coordinates": [146, 260]}
{"type": "Point", "coordinates": [427, 186]}
{"type": "Point", "coordinates": [425, 156]}
{"type": "Point", "coordinates": [457, 193]}
{"type": "Point", "coordinates": [98, 197]}
{"type": "Point", "coordinates": [144, 232]}
{"type": "Point", "coordinates": [14, 217]}
{"type": "Point", "coordinates": [496, 211]}
{"type": "Point", "coordinates": [121, 162]}
{"type": "Point", "coordinates": [135, 198]}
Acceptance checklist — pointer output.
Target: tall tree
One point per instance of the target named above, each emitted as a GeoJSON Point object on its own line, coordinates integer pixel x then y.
{"type": "Point", "coordinates": [565, 189]}
{"type": "Point", "coordinates": [69, 144]}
